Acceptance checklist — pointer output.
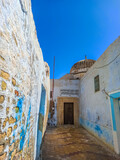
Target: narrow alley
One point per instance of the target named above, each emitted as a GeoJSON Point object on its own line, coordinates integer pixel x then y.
{"type": "Point", "coordinates": [72, 143]}
{"type": "Point", "coordinates": [53, 92]}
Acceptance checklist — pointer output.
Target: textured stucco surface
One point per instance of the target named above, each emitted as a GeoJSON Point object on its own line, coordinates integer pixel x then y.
{"type": "Point", "coordinates": [95, 107]}
{"type": "Point", "coordinates": [22, 74]}
{"type": "Point", "coordinates": [65, 88]}
{"type": "Point", "coordinates": [62, 88]}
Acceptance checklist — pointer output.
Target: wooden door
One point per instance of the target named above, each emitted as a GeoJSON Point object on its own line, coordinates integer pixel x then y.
{"type": "Point", "coordinates": [68, 113]}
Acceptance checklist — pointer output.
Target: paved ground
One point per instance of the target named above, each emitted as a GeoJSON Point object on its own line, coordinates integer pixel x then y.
{"type": "Point", "coordinates": [70, 143]}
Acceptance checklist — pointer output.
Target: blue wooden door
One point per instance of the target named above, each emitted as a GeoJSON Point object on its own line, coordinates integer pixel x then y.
{"type": "Point", "coordinates": [40, 122]}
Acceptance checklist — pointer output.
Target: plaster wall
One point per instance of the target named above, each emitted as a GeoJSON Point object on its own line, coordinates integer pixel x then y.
{"type": "Point", "coordinates": [22, 73]}
{"type": "Point", "coordinates": [63, 89]}
{"type": "Point", "coordinates": [95, 107]}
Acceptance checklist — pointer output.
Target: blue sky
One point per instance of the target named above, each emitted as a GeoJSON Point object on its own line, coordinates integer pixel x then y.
{"type": "Point", "coordinates": [71, 29]}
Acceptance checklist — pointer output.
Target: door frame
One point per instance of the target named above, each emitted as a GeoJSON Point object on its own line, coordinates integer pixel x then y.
{"type": "Point", "coordinates": [60, 109]}
{"type": "Point", "coordinates": [72, 111]}
{"type": "Point", "coordinates": [113, 101]}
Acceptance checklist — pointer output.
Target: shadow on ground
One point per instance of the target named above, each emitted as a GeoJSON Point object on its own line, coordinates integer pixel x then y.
{"type": "Point", "coordinates": [72, 143]}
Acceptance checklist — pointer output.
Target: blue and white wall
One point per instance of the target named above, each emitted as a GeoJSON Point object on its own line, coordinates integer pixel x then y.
{"type": "Point", "coordinates": [23, 75]}
{"type": "Point", "coordinates": [98, 109]}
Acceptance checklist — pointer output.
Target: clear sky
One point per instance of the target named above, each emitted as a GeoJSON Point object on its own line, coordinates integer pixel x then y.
{"type": "Point", "coordinates": [71, 29]}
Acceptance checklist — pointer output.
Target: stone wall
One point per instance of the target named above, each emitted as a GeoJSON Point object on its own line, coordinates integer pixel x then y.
{"type": "Point", "coordinates": [96, 111]}
{"type": "Point", "coordinates": [23, 72]}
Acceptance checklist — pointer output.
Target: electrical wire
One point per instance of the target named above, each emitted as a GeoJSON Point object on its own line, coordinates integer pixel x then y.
{"type": "Point", "coordinates": [88, 73]}
{"type": "Point", "coordinates": [109, 62]}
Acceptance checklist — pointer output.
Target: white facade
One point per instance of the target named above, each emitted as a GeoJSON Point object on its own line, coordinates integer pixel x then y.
{"type": "Point", "coordinates": [63, 88]}
{"type": "Point", "coordinates": [97, 114]}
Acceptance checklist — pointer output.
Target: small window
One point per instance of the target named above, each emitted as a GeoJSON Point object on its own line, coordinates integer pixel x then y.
{"type": "Point", "coordinates": [97, 83]}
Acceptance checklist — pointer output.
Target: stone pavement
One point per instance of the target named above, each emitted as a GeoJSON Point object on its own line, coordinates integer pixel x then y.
{"type": "Point", "coordinates": [71, 143]}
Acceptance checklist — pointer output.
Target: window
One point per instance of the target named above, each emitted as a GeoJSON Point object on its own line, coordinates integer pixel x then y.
{"type": "Point", "coordinates": [97, 83]}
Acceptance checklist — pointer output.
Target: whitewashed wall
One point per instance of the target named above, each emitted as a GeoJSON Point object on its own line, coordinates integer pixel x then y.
{"type": "Point", "coordinates": [65, 88]}
{"type": "Point", "coordinates": [22, 72]}
{"type": "Point", "coordinates": [62, 88]}
{"type": "Point", "coordinates": [95, 108]}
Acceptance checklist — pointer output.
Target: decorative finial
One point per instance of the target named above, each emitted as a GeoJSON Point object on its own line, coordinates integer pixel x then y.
{"type": "Point", "coordinates": [85, 57]}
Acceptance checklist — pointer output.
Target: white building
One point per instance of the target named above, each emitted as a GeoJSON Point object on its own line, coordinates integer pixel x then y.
{"type": "Point", "coordinates": [93, 101]}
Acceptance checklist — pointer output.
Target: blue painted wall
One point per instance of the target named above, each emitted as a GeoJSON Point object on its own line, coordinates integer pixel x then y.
{"type": "Point", "coordinates": [41, 113]}
{"type": "Point", "coordinates": [100, 131]}
{"type": "Point", "coordinates": [24, 127]}
{"type": "Point", "coordinates": [96, 112]}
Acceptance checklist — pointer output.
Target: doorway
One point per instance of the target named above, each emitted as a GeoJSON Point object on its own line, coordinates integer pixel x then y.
{"type": "Point", "coordinates": [40, 122]}
{"type": "Point", "coordinates": [115, 110]}
{"type": "Point", "coordinates": [68, 113]}
{"type": "Point", "coordinates": [117, 119]}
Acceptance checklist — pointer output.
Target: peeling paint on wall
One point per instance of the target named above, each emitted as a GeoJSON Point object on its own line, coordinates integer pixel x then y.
{"type": "Point", "coordinates": [22, 71]}
{"type": "Point", "coordinates": [24, 130]}
{"type": "Point", "coordinates": [102, 132]}
{"type": "Point", "coordinates": [97, 111]}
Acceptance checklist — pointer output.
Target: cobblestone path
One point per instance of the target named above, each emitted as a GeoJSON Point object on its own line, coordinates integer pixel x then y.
{"type": "Point", "coordinates": [71, 143]}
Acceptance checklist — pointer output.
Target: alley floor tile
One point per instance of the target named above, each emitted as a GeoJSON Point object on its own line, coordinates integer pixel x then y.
{"type": "Point", "coordinates": [74, 143]}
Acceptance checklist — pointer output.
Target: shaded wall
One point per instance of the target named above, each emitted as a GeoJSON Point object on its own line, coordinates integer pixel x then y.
{"type": "Point", "coordinates": [95, 107]}
{"type": "Point", "coordinates": [23, 72]}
